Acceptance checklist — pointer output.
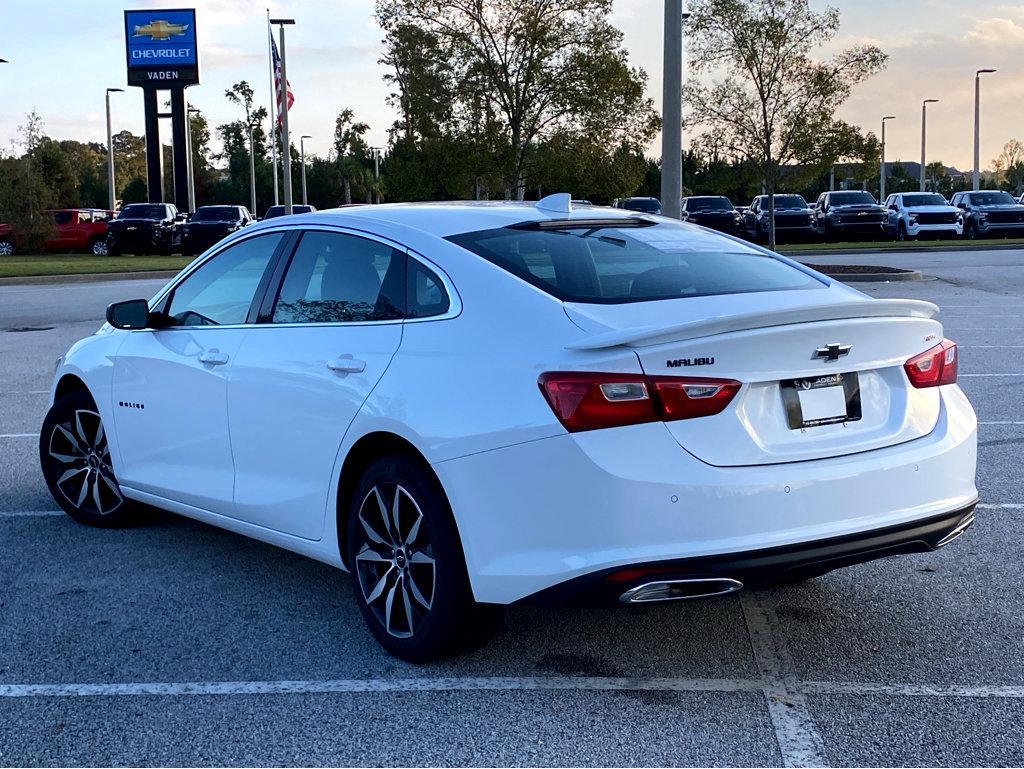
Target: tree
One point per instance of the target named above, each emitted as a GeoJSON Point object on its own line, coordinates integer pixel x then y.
{"type": "Point", "coordinates": [1009, 166]}
{"type": "Point", "coordinates": [234, 136]}
{"type": "Point", "coordinates": [129, 162]}
{"type": "Point", "coordinates": [352, 155]}
{"type": "Point", "coordinates": [514, 74]}
{"type": "Point", "coordinates": [771, 102]}
{"type": "Point", "coordinates": [24, 198]}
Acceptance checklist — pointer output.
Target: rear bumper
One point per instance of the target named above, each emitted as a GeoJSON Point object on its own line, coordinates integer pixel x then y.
{"type": "Point", "coordinates": [543, 513]}
{"type": "Point", "coordinates": [755, 568]}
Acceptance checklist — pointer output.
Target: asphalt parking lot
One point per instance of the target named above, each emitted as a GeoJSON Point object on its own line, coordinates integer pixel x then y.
{"type": "Point", "coordinates": [174, 643]}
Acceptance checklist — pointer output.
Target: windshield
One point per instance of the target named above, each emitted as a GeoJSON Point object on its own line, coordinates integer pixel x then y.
{"type": "Point", "coordinates": [616, 264]}
{"type": "Point", "coordinates": [787, 201]}
{"type": "Point", "coordinates": [924, 199]}
{"type": "Point", "coordinates": [992, 199]}
{"type": "Point", "coordinates": [647, 205]}
{"type": "Point", "coordinates": [215, 214]}
{"type": "Point", "coordinates": [141, 211]}
{"type": "Point", "coordinates": [852, 199]}
{"type": "Point", "coordinates": [708, 204]}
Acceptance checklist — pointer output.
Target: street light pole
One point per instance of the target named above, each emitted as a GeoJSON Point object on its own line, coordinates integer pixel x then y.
{"type": "Point", "coordinates": [976, 179]}
{"type": "Point", "coordinates": [285, 145]}
{"type": "Point", "coordinates": [111, 191]}
{"type": "Point", "coordinates": [672, 111]}
{"type": "Point", "coordinates": [881, 175]}
{"type": "Point", "coordinates": [252, 172]}
{"type": "Point", "coordinates": [376, 170]}
{"type": "Point", "coordinates": [189, 112]}
{"type": "Point", "coordinates": [924, 121]}
{"type": "Point", "coordinates": [302, 155]}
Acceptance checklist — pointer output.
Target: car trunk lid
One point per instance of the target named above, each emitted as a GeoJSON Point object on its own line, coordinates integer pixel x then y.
{"type": "Point", "coordinates": [770, 342]}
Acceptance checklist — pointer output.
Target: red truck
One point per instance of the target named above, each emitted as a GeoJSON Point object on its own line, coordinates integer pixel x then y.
{"type": "Point", "coordinates": [75, 229]}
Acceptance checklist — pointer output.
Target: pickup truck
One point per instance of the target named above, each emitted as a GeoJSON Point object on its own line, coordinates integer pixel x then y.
{"type": "Point", "coordinates": [74, 229]}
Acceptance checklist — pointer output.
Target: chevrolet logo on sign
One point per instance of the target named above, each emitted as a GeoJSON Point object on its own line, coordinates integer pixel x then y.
{"type": "Point", "coordinates": [159, 30]}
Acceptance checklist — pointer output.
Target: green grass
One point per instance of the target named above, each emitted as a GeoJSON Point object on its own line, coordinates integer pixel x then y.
{"type": "Point", "coordinates": [25, 265]}
{"type": "Point", "coordinates": [922, 244]}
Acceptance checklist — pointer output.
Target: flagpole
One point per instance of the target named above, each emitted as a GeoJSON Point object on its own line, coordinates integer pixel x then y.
{"type": "Point", "coordinates": [273, 108]}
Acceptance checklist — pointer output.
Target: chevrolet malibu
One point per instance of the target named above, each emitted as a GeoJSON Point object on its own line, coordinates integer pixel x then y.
{"type": "Point", "coordinates": [472, 405]}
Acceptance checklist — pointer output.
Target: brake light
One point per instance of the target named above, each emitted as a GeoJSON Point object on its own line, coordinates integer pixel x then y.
{"type": "Point", "coordinates": [591, 401]}
{"type": "Point", "coordinates": [934, 367]}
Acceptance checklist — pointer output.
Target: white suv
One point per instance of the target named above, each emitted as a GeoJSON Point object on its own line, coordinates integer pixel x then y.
{"type": "Point", "coordinates": [913, 214]}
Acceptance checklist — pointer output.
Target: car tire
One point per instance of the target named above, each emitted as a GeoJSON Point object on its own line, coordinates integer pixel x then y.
{"type": "Point", "coordinates": [901, 232]}
{"type": "Point", "coordinates": [98, 247]}
{"type": "Point", "coordinates": [970, 231]}
{"type": "Point", "coordinates": [407, 566]}
{"type": "Point", "coordinates": [75, 459]}
{"type": "Point", "coordinates": [6, 247]}
{"type": "Point", "coordinates": [113, 250]}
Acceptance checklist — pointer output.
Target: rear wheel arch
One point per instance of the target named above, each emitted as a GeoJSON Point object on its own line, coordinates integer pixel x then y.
{"type": "Point", "coordinates": [363, 453]}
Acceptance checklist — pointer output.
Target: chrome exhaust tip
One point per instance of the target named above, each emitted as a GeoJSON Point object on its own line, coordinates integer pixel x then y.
{"type": "Point", "coordinates": [680, 589]}
{"type": "Point", "coordinates": [960, 528]}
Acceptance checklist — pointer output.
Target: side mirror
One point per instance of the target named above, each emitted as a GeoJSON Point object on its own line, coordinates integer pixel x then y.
{"type": "Point", "coordinates": [132, 314]}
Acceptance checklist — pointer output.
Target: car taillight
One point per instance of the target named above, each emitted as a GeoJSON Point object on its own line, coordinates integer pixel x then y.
{"type": "Point", "coordinates": [590, 401]}
{"type": "Point", "coordinates": [934, 367]}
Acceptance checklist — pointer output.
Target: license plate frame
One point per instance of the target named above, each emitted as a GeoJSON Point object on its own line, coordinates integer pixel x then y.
{"type": "Point", "coordinates": [791, 399]}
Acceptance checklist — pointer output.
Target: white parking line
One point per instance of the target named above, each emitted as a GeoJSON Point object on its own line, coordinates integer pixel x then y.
{"type": "Point", "coordinates": [483, 683]}
{"type": "Point", "coordinates": [29, 513]}
{"type": "Point", "coordinates": [358, 685]}
{"type": "Point", "coordinates": [988, 375]}
{"type": "Point", "coordinates": [19, 435]}
{"type": "Point", "coordinates": [1001, 423]}
{"type": "Point", "coordinates": [800, 744]}
{"type": "Point", "coordinates": [1001, 506]}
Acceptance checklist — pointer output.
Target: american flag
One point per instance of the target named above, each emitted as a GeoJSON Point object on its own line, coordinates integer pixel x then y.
{"type": "Point", "coordinates": [277, 81]}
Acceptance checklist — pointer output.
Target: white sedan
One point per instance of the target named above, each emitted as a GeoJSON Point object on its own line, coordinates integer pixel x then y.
{"type": "Point", "coordinates": [475, 404]}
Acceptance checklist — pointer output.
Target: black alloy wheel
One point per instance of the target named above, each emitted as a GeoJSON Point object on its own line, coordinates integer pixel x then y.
{"type": "Point", "coordinates": [74, 455]}
{"type": "Point", "coordinates": [408, 570]}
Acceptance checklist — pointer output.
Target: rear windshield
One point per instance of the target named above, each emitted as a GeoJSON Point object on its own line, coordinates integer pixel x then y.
{"type": "Point", "coordinates": [613, 264]}
{"type": "Point", "coordinates": [924, 199]}
{"type": "Point", "coordinates": [852, 198]}
{"type": "Point", "coordinates": [992, 199]}
{"type": "Point", "coordinates": [215, 214]}
{"type": "Point", "coordinates": [787, 201]}
{"type": "Point", "coordinates": [647, 205]}
{"type": "Point", "coordinates": [708, 204]}
{"type": "Point", "coordinates": [141, 211]}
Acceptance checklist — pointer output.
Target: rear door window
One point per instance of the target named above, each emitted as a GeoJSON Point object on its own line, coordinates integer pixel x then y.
{"type": "Point", "coordinates": [339, 278]}
{"type": "Point", "coordinates": [606, 263]}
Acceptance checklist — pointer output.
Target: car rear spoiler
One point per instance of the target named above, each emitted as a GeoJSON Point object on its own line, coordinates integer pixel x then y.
{"type": "Point", "coordinates": [642, 336]}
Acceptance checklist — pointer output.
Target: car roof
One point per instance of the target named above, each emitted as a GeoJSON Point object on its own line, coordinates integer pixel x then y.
{"type": "Point", "coordinates": [450, 218]}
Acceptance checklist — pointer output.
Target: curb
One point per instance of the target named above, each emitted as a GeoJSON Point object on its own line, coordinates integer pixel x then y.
{"type": "Point", "coordinates": [89, 277]}
{"type": "Point", "coordinates": [974, 246]}
{"type": "Point", "coordinates": [875, 277]}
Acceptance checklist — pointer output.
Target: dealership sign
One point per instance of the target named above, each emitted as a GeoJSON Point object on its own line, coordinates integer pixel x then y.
{"type": "Point", "coordinates": [161, 47]}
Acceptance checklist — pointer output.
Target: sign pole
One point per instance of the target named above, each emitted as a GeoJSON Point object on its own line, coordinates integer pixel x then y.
{"type": "Point", "coordinates": [154, 162]}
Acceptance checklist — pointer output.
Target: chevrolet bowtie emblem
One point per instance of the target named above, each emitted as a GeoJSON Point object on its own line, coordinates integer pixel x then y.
{"type": "Point", "coordinates": [832, 351]}
{"type": "Point", "coordinates": [159, 30]}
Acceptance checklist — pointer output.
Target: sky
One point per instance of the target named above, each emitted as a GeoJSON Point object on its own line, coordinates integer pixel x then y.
{"type": "Point", "coordinates": [63, 54]}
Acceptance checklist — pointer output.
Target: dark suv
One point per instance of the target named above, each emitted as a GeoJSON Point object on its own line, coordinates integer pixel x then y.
{"type": "Point", "coordinates": [644, 205]}
{"type": "Point", "coordinates": [792, 218]}
{"type": "Point", "coordinates": [989, 213]}
{"type": "Point", "coordinates": [849, 213]}
{"type": "Point", "coordinates": [712, 211]}
{"type": "Point", "coordinates": [209, 224]}
{"type": "Point", "coordinates": [275, 211]}
{"type": "Point", "coordinates": [145, 228]}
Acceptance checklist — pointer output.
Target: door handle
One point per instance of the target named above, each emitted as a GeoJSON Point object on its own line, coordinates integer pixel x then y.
{"type": "Point", "coordinates": [213, 358]}
{"type": "Point", "coordinates": [347, 365]}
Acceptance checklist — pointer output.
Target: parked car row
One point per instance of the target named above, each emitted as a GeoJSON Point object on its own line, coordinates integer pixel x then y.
{"type": "Point", "coordinates": [142, 228]}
